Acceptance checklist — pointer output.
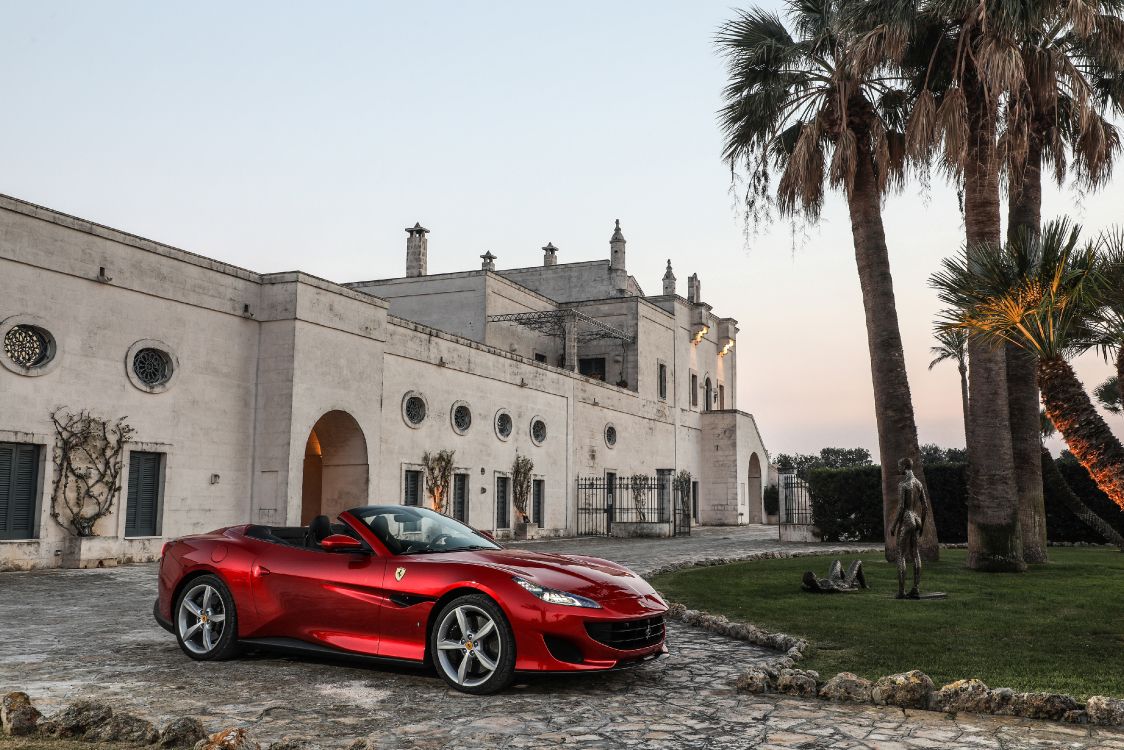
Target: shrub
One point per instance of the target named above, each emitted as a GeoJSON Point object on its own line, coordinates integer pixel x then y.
{"type": "Point", "coordinates": [847, 503]}
{"type": "Point", "coordinates": [772, 499]}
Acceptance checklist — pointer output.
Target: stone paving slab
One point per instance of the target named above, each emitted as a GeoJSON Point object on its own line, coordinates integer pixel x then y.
{"type": "Point", "coordinates": [90, 634]}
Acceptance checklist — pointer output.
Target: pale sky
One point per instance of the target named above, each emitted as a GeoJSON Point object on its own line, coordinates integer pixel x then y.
{"type": "Point", "coordinates": [280, 136]}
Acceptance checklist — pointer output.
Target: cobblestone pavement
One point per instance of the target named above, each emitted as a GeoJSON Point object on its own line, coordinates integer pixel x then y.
{"type": "Point", "coordinates": [71, 634]}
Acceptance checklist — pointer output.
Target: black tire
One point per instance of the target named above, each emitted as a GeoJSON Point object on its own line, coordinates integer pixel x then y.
{"type": "Point", "coordinates": [225, 646]}
{"type": "Point", "coordinates": [504, 671]}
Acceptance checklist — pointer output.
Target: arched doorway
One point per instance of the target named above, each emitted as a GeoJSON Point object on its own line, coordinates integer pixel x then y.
{"type": "Point", "coordinates": [708, 395]}
{"type": "Point", "coordinates": [756, 499]}
{"type": "Point", "coordinates": [336, 473]}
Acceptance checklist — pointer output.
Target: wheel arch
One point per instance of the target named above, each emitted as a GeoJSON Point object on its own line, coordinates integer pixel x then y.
{"type": "Point", "coordinates": [461, 589]}
{"type": "Point", "coordinates": [191, 576]}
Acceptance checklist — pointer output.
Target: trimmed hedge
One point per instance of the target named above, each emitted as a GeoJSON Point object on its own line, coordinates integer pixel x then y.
{"type": "Point", "coordinates": [847, 503]}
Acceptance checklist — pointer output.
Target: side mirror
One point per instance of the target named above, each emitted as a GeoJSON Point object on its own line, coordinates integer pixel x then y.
{"type": "Point", "coordinates": [341, 543]}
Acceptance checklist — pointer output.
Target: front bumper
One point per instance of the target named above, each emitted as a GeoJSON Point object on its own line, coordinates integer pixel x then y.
{"type": "Point", "coordinates": [552, 638]}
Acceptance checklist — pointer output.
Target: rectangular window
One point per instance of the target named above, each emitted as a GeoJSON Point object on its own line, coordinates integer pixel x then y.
{"type": "Point", "coordinates": [411, 492]}
{"type": "Point", "coordinates": [503, 502]}
{"type": "Point", "coordinates": [721, 396]}
{"type": "Point", "coordinates": [540, 358]}
{"type": "Point", "coordinates": [146, 486]}
{"type": "Point", "coordinates": [460, 497]}
{"type": "Point", "coordinates": [592, 367]}
{"type": "Point", "coordinates": [19, 486]}
{"type": "Point", "coordinates": [695, 500]}
{"type": "Point", "coordinates": [661, 380]}
{"type": "Point", "coordinates": [538, 497]}
{"type": "Point", "coordinates": [694, 389]}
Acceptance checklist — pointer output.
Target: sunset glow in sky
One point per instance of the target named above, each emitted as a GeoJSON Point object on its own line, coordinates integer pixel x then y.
{"type": "Point", "coordinates": [280, 136]}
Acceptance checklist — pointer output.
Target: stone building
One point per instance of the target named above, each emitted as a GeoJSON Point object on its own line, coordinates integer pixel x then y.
{"type": "Point", "coordinates": [276, 397]}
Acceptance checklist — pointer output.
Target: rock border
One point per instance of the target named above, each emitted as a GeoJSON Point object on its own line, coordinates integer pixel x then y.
{"type": "Point", "coordinates": [913, 689]}
{"type": "Point", "coordinates": [96, 721]}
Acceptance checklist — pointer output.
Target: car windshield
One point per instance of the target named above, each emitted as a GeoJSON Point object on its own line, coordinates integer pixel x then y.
{"type": "Point", "coordinates": [407, 530]}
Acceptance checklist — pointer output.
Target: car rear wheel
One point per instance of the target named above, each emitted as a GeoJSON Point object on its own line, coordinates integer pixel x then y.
{"type": "Point", "coordinates": [206, 620]}
{"type": "Point", "coordinates": [472, 645]}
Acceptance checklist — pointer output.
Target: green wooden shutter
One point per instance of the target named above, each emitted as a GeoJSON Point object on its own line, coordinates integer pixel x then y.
{"type": "Point", "coordinates": [537, 503]}
{"type": "Point", "coordinates": [413, 488]}
{"type": "Point", "coordinates": [503, 518]}
{"type": "Point", "coordinates": [142, 509]}
{"type": "Point", "coordinates": [460, 497]}
{"type": "Point", "coordinates": [19, 482]}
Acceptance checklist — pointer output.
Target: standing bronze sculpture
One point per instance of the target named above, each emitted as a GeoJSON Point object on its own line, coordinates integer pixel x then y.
{"type": "Point", "coordinates": [909, 523]}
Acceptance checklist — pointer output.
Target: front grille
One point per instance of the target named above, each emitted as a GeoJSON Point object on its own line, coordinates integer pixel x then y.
{"type": "Point", "coordinates": [627, 635]}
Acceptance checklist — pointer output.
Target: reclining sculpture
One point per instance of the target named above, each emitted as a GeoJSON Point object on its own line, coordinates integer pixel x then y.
{"type": "Point", "coordinates": [836, 581]}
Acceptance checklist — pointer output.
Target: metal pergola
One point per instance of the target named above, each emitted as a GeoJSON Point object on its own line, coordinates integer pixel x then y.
{"type": "Point", "coordinates": [561, 322]}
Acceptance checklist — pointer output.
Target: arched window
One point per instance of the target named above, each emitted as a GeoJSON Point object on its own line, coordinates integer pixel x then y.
{"type": "Point", "coordinates": [708, 395]}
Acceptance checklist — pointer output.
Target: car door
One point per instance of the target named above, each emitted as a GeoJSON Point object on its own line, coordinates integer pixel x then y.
{"type": "Point", "coordinates": [328, 598]}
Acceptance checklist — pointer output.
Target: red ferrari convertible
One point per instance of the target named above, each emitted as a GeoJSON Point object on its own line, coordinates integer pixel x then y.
{"type": "Point", "coordinates": [406, 584]}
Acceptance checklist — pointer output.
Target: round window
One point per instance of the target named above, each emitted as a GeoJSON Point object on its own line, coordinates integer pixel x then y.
{"type": "Point", "coordinates": [415, 410]}
{"type": "Point", "coordinates": [28, 346]}
{"type": "Point", "coordinates": [152, 367]}
{"type": "Point", "coordinates": [538, 431]}
{"type": "Point", "coordinates": [462, 417]}
{"type": "Point", "coordinates": [610, 436]}
{"type": "Point", "coordinates": [503, 425]}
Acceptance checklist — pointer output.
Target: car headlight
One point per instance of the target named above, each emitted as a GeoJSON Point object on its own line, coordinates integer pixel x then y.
{"type": "Point", "coordinates": [552, 596]}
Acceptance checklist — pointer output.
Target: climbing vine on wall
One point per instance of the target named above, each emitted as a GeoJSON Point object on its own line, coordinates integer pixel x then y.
{"type": "Point", "coordinates": [438, 476]}
{"type": "Point", "coordinates": [521, 476]}
{"type": "Point", "coordinates": [88, 453]}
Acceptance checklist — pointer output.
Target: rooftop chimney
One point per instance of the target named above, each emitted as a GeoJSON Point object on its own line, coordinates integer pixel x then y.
{"type": "Point", "coordinates": [550, 255]}
{"type": "Point", "coordinates": [694, 289]}
{"type": "Point", "coordinates": [489, 263]}
{"type": "Point", "coordinates": [416, 250]}
{"type": "Point", "coordinates": [668, 279]}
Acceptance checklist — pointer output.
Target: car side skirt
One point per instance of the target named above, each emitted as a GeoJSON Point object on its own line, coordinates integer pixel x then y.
{"type": "Point", "coordinates": [304, 648]}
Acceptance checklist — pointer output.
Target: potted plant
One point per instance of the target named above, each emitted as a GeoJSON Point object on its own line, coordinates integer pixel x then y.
{"type": "Point", "coordinates": [521, 477]}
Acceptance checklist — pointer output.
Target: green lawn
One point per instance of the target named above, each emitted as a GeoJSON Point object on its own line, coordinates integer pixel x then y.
{"type": "Point", "coordinates": [1058, 627]}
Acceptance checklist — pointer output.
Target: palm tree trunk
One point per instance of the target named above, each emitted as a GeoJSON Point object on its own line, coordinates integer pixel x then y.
{"type": "Point", "coordinates": [964, 398]}
{"type": "Point", "coordinates": [893, 405]}
{"type": "Point", "coordinates": [1024, 216]}
{"type": "Point", "coordinates": [994, 539]}
{"type": "Point", "coordinates": [1060, 489]}
{"type": "Point", "coordinates": [1088, 437]}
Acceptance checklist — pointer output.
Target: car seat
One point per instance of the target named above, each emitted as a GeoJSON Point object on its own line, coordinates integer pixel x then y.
{"type": "Point", "coordinates": [319, 529]}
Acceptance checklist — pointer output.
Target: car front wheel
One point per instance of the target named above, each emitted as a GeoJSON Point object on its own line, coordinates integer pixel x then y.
{"type": "Point", "coordinates": [206, 620]}
{"type": "Point", "coordinates": [472, 645]}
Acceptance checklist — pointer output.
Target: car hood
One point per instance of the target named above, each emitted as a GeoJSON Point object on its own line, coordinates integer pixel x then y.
{"type": "Point", "coordinates": [593, 577]}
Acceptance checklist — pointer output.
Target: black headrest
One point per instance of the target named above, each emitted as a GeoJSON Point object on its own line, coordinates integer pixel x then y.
{"type": "Point", "coordinates": [320, 529]}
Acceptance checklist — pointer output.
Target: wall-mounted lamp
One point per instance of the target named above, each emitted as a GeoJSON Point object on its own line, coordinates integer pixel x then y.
{"type": "Point", "coordinates": [215, 478]}
{"type": "Point", "coordinates": [440, 361]}
{"type": "Point", "coordinates": [702, 331]}
{"type": "Point", "coordinates": [726, 347]}
{"type": "Point", "coordinates": [102, 277]}
{"type": "Point", "coordinates": [246, 311]}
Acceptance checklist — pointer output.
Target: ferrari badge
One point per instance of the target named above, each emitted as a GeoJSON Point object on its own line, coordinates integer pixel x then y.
{"type": "Point", "coordinates": [399, 573]}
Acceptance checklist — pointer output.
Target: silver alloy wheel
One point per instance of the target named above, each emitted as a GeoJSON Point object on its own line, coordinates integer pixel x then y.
{"type": "Point", "coordinates": [201, 619]}
{"type": "Point", "coordinates": [468, 645]}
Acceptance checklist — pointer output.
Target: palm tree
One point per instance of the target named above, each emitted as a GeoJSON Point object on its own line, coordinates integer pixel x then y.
{"type": "Point", "coordinates": [1045, 313]}
{"type": "Point", "coordinates": [1071, 64]}
{"type": "Point", "coordinates": [953, 346]}
{"type": "Point", "coordinates": [1059, 488]}
{"type": "Point", "coordinates": [793, 98]}
{"type": "Point", "coordinates": [1109, 396]}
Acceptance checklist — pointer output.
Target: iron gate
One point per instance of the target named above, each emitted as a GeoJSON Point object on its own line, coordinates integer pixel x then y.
{"type": "Point", "coordinates": [603, 501]}
{"type": "Point", "coordinates": [795, 501]}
